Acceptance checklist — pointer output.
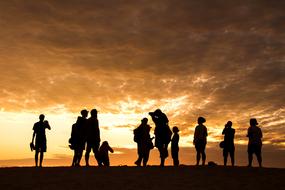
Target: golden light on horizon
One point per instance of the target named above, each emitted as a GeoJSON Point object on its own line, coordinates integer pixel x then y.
{"type": "Point", "coordinates": [223, 61]}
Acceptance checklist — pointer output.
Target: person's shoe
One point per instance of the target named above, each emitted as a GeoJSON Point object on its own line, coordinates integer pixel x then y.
{"type": "Point", "coordinates": [137, 163]}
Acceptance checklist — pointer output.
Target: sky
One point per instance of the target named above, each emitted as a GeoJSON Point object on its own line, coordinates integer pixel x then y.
{"type": "Point", "coordinates": [224, 60]}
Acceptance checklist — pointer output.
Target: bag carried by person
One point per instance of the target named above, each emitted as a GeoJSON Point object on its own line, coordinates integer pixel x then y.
{"type": "Point", "coordinates": [137, 135]}
{"type": "Point", "coordinates": [222, 144]}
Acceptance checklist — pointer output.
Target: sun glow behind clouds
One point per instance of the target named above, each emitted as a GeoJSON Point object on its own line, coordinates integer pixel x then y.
{"type": "Point", "coordinates": [116, 128]}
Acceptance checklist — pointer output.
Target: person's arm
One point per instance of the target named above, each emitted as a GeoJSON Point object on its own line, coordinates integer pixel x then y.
{"type": "Point", "coordinates": [34, 134]}
{"type": "Point", "coordinates": [47, 125]}
{"type": "Point", "coordinates": [261, 135]}
{"type": "Point", "coordinates": [195, 136]}
{"type": "Point", "coordinates": [224, 131]}
{"type": "Point", "coordinates": [98, 131]}
{"type": "Point", "coordinates": [110, 149]}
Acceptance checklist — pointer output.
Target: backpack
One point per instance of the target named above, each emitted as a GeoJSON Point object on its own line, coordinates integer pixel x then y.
{"type": "Point", "coordinates": [137, 134]}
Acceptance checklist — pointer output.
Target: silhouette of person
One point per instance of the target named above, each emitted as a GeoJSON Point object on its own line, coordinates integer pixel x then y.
{"type": "Point", "coordinates": [200, 140]}
{"type": "Point", "coordinates": [93, 136]}
{"type": "Point", "coordinates": [229, 147]}
{"type": "Point", "coordinates": [143, 140]}
{"type": "Point", "coordinates": [254, 135]}
{"type": "Point", "coordinates": [103, 154]}
{"type": "Point", "coordinates": [78, 137]}
{"type": "Point", "coordinates": [40, 135]}
{"type": "Point", "coordinates": [174, 146]}
{"type": "Point", "coordinates": [162, 133]}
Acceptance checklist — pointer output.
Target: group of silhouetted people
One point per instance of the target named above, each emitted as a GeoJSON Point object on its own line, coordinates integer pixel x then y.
{"type": "Point", "coordinates": [254, 135]}
{"type": "Point", "coordinates": [85, 135]}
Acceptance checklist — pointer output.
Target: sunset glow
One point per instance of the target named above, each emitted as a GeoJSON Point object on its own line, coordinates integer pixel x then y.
{"type": "Point", "coordinates": [224, 61]}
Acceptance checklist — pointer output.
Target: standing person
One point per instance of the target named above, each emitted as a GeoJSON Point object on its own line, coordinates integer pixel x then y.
{"type": "Point", "coordinates": [143, 140]}
{"type": "Point", "coordinates": [175, 146]}
{"type": "Point", "coordinates": [103, 154]}
{"type": "Point", "coordinates": [229, 146]}
{"type": "Point", "coordinates": [78, 137]}
{"type": "Point", "coordinates": [162, 133]}
{"type": "Point", "coordinates": [93, 136]}
{"type": "Point", "coordinates": [41, 142]}
{"type": "Point", "coordinates": [254, 135]}
{"type": "Point", "coordinates": [200, 140]}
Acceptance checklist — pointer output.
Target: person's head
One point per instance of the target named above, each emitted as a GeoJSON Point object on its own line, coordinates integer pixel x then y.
{"type": "Point", "coordinates": [42, 117]}
{"type": "Point", "coordinates": [229, 124]}
{"type": "Point", "coordinates": [201, 120]}
{"type": "Point", "coordinates": [175, 129]}
{"type": "Point", "coordinates": [158, 111]}
{"type": "Point", "coordinates": [144, 121]}
{"type": "Point", "coordinates": [84, 113]}
{"type": "Point", "coordinates": [94, 113]}
{"type": "Point", "coordinates": [105, 143]}
{"type": "Point", "coordinates": [253, 122]}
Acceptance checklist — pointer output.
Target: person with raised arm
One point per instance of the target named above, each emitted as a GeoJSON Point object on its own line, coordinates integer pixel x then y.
{"type": "Point", "coordinates": [39, 134]}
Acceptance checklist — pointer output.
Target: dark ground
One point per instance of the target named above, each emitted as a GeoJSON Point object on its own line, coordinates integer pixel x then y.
{"type": "Point", "coordinates": [134, 178]}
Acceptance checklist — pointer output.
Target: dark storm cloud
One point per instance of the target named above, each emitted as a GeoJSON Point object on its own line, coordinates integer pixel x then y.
{"type": "Point", "coordinates": [227, 57]}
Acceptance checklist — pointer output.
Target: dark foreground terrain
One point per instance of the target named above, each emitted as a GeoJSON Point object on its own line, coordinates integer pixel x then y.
{"type": "Point", "coordinates": [134, 178]}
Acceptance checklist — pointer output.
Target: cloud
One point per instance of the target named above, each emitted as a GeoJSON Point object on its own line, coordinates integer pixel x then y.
{"type": "Point", "coordinates": [224, 60]}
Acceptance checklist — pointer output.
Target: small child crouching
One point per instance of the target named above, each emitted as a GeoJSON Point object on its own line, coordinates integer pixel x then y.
{"type": "Point", "coordinates": [103, 154]}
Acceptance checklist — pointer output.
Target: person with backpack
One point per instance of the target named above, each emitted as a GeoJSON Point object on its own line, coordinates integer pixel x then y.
{"type": "Point", "coordinates": [200, 140]}
{"type": "Point", "coordinates": [144, 142]}
{"type": "Point", "coordinates": [78, 137]}
{"type": "Point", "coordinates": [39, 134]}
{"type": "Point", "coordinates": [162, 133]}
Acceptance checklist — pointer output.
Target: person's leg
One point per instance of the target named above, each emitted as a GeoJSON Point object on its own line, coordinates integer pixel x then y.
{"type": "Point", "coordinates": [106, 162]}
{"type": "Point", "coordinates": [87, 154]}
{"type": "Point", "coordinates": [203, 157]}
{"type": "Point", "coordinates": [146, 157]}
{"type": "Point", "coordinates": [140, 155]}
{"type": "Point", "coordinates": [259, 157]}
{"type": "Point", "coordinates": [198, 157]}
{"type": "Point", "coordinates": [232, 155]}
{"type": "Point", "coordinates": [36, 157]}
{"type": "Point", "coordinates": [162, 156]}
{"type": "Point", "coordinates": [225, 154]}
{"type": "Point", "coordinates": [249, 159]}
{"type": "Point", "coordinates": [41, 158]}
{"type": "Point", "coordinates": [250, 152]}
{"type": "Point", "coordinates": [175, 158]}
{"type": "Point", "coordinates": [74, 158]}
{"type": "Point", "coordinates": [203, 154]}
{"type": "Point", "coordinates": [95, 151]}
{"type": "Point", "coordinates": [79, 156]}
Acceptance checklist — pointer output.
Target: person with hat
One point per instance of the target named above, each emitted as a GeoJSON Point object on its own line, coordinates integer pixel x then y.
{"type": "Point", "coordinates": [144, 142]}
{"type": "Point", "coordinates": [92, 136]}
{"type": "Point", "coordinates": [229, 147]}
{"type": "Point", "coordinates": [162, 133]}
{"type": "Point", "coordinates": [175, 146]}
{"type": "Point", "coordinates": [78, 137]}
{"type": "Point", "coordinates": [254, 135]}
{"type": "Point", "coordinates": [200, 140]}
